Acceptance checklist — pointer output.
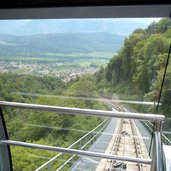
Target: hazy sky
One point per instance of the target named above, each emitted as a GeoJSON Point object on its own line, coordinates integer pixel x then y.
{"type": "Point", "coordinates": [40, 26]}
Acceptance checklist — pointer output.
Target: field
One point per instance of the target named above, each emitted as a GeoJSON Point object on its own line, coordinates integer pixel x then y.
{"type": "Point", "coordinates": [65, 66]}
{"type": "Point", "coordinates": [58, 57]}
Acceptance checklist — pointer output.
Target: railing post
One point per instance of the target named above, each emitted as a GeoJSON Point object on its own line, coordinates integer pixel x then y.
{"type": "Point", "coordinates": [80, 145]}
{"type": "Point", "coordinates": [63, 161]}
{"type": "Point", "coordinates": [90, 139]}
{"type": "Point", "coordinates": [165, 141]}
{"type": "Point", "coordinates": [5, 154]}
{"type": "Point", "coordinates": [48, 166]}
{"type": "Point", "coordinates": [157, 151]}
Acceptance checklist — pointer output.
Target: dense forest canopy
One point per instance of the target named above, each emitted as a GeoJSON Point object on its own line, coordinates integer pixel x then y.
{"type": "Point", "coordinates": [46, 128]}
{"type": "Point", "coordinates": [136, 72]}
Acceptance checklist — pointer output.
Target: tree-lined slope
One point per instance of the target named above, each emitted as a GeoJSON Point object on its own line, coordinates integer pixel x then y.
{"type": "Point", "coordinates": [137, 70]}
{"type": "Point", "coordinates": [42, 127]}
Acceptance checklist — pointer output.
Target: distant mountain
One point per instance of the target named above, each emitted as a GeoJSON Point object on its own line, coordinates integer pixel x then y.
{"type": "Point", "coordinates": [41, 45]}
{"type": "Point", "coordinates": [51, 26]}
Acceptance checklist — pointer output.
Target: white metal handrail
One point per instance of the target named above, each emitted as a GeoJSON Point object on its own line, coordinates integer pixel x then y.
{"type": "Point", "coordinates": [77, 152]}
{"type": "Point", "coordinates": [90, 112]}
{"type": "Point", "coordinates": [164, 137]}
{"type": "Point", "coordinates": [72, 145]}
{"type": "Point", "coordinates": [96, 135]}
{"type": "Point", "coordinates": [66, 110]}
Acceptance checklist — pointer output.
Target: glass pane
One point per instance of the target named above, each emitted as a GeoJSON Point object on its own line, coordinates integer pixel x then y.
{"type": "Point", "coordinates": [101, 64]}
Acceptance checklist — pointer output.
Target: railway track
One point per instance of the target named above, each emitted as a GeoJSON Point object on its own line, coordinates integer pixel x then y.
{"type": "Point", "coordinates": [126, 141]}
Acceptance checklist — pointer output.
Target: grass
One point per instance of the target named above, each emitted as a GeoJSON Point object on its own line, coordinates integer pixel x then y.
{"type": "Point", "coordinates": [90, 54]}
{"type": "Point", "coordinates": [61, 57]}
{"type": "Point", "coordinates": [67, 61]}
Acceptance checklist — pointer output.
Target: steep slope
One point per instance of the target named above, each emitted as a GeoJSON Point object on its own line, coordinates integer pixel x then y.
{"type": "Point", "coordinates": [137, 70]}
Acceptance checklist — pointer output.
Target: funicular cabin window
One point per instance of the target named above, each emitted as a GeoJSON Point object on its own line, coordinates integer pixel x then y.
{"type": "Point", "coordinates": [74, 81]}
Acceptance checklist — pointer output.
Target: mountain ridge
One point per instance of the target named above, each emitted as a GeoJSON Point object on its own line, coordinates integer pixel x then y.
{"type": "Point", "coordinates": [39, 45]}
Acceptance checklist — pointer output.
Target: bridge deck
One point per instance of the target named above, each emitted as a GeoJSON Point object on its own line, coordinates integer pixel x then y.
{"type": "Point", "coordinates": [107, 143]}
{"type": "Point", "coordinates": [127, 141]}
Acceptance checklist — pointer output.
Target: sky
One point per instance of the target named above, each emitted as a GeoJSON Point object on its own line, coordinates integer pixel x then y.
{"type": "Point", "coordinates": [21, 26]}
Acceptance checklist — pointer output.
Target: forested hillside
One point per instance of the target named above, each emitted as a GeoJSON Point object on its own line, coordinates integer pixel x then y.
{"type": "Point", "coordinates": [136, 72]}
{"type": "Point", "coordinates": [46, 127]}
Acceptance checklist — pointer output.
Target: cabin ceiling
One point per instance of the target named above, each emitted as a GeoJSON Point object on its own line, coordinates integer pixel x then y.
{"type": "Point", "coordinates": [69, 3]}
{"type": "Point", "coordinates": [48, 9]}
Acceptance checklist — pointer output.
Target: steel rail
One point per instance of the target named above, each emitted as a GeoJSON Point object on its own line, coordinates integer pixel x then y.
{"type": "Point", "coordinates": [77, 152]}
{"type": "Point", "coordinates": [166, 139]}
{"type": "Point", "coordinates": [163, 135]}
{"type": "Point", "coordinates": [87, 98]}
{"type": "Point", "coordinates": [90, 112]}
{"type": "Point", "coordinates": [66, 162]}
{"type": "Point", "coordinates": [134, 131]}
